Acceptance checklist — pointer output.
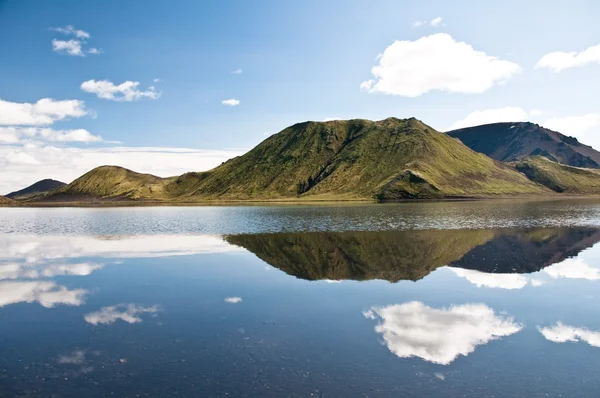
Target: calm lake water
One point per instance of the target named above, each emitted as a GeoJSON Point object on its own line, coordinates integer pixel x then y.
{"type": "Point", "coordinates": [419, 299]}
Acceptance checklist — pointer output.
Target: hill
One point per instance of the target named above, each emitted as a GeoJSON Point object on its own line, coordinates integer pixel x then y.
{"type": "Point", "coordinates": [6, 201]}
{"type": "Point", "coordinates": [412, 255]}
{"type": "Point", "coordinates": [515, 141]}
{"type": "Point", "coordinates": [112, 182]}
{"type": "Point", "coordinates": [559, 177]}
{"type": "Point", "coordinates": [356, 159]}
{"type": "Point", "coordinates": [34, 191]}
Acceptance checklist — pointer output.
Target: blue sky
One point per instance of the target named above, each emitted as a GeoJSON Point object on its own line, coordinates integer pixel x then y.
{"type": "Point", "coordinates": [299, 60]}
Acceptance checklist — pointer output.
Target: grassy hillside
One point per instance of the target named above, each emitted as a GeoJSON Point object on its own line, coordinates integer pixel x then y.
{"type": "Point", "coordinates": [560, 178]}
{"type": "Point", "coordinates": [392, 256]}
{"type": "Point", "coordinates": [36, 191]}
{"type": "Point", "coordinates": [356, 159]}
{"type": "Point", "coordinates": [515, 141]}
{"type": "Point", "coordinates": [4, 201]}
{"type": "Point", "coordinates": [115, 183]}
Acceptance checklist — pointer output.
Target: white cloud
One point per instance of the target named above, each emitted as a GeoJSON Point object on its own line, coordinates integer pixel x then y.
{"type": "Point", "coordinates": [94, 51]}
{"type": "Point", "coordinates": [69, 47]}
{"type": "Point", "coordinates": [487, 116]}
{"type": "Point", "coordinates": [126, 91]}
{"type": "Point", "coordinates": [439, 335]}
{"type": "Point", "coordinates": [499, 281]}
{"type": "Point", "coordinates": [37, 270]}
{"type": "Point", "coordinates": [44, 112]}
{"type": "Point", "coordinates": [14, 135]}
{"type": "Point", "coordinates": [434, 22]}
{"type": "Point", "coordinates": [70, 30]}
{"type": "Point", "coordinates": [537, 282]}
{"type": "Point", "coordinates": [584, 127]}
{"type": "Point", "coordinates": [331, 119]}
{"type": "Point", "coordinates": [129, 313]}
{"type": "Point", "coordinates": [157, 80]}
{"type": "Point", "coordinates": [24, 165]}
{"type": "Point", "coordinates": [231, 102]}
{"type": "Point", "coordinates": [41, 252]}
{"type": "Point", "coordinates": [573, 268]}
{"type": "Point", "coordinates": [48, 294]}
{"type": "Point", "coordinates": [238, 71]}
{"type": "Point", "coordinates": [561, 333]}
{"type": "Point", "coordinates": [436, 62]}
{"type": "Point", "coordinates": [559, 60]}
{"type": "Point", "coordinates": [233, 300]}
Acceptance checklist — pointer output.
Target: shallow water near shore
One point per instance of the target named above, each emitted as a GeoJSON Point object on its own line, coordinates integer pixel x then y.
{"type": "Point", "coordinates": [449, 299]}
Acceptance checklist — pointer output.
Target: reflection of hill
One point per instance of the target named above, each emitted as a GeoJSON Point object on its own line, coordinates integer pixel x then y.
{"type": "Point", "coordinates": [392, 256]}
{"type": "Point", "coordinates": [528, 251]}
{"type": "Point", "coordinates": [411, 255]}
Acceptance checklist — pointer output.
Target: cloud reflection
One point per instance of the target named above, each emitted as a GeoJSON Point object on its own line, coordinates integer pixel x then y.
{"type": "Point", "coordinates": [46, 293]}
{"type": "Point", "coordinates": [561, 333]}
{"type": "Point", "coordinates": [484, 279]}
{"type": "Point", "coordinates": [439, 335]}
{"type": "Point", "coordinates": [129, 313]}
{"type": "Point", "coordinates": [573, 268]}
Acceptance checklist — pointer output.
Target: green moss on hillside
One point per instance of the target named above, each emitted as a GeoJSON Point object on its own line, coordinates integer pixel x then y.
{"type": "Point", "coordinates": [560, 178]}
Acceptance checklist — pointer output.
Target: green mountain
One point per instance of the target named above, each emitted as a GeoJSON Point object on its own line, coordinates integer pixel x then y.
{"type": "Point", "coordinates": [411, 255]}
{"type": "Point", "coordinates": [337, 160]}
{"type": "Point", "coordinates": [559, 177]}
{"type": "Point", "coordinates": [6, 201]}
{"type": "Point", "coordinates": [515, 141]}
{"type": "Point", "coordinates": [36, 190]}
{"type": "Point", "coordinates": [114, 183]}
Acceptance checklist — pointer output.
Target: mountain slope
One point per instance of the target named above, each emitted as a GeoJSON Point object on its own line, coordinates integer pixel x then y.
{"type": "Point", "coordinates": [112, 182]}
{"type": "Point", "coordinates": [515, 141]}
{"type": "Point", "coordinates": [356, 159]}
{"type": "Point", "coordinates": [560, 178]}
{"type": "Point", "coordinates": [35, 190]}
{"type": "Point", "coordinates": [5, 201]}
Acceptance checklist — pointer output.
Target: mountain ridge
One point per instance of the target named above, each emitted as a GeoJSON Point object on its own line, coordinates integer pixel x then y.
{"type": "Point", "coordinates": [41, 187]}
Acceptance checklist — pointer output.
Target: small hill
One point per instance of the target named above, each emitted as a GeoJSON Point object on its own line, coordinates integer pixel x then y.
{"type": "Point", "coordinates": [559, 177]}
{"type": "Point", "coordinates": [515, 141]}
{"type": "Point", "coordinates": [114, 183]}
{"type": "Point", "coordinates": [4, 201]}
{"type": "Point", "coordinates": [36, 190]}
{"type": "Point", "coordinates": [356, 159]}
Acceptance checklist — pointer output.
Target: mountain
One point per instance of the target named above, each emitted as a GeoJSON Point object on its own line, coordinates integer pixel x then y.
{"type": "Point", "coordinates": [559, 177]}
{"type": "Point", "coordinates": [112, 182]}
{"type": "Point", "coordinates": [412, 255]}
{"type": "Point", "coordinates": [35, 190]}
{"type": "Point", "coordinates": [515, 141]}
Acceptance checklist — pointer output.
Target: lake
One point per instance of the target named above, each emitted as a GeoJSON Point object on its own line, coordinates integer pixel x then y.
{"type": "Point", "coordinates": [447, 299]}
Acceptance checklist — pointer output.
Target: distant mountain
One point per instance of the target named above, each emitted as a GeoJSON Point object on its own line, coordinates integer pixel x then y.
{"type": "Point", "coordinates": [337, 160]}
{"type": "Point", "coordinates": [515, 141]}
{"type": "Point", "coordinates": [35, 190]}
{"type": "Point", "coordinates": [412, 255]}
{"type": "Point", "coordinates": [559, 177]}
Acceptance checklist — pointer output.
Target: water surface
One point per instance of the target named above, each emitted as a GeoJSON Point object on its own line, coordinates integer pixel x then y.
{"type": "Point", "coordinates": [431, 299]}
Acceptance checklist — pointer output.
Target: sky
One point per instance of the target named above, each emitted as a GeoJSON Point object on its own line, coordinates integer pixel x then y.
{"type": "Point", "coordinates": [169, 87]}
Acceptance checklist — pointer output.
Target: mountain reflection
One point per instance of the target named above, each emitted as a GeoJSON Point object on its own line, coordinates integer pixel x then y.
{"type": "Point", "coordinates": [411, 255]}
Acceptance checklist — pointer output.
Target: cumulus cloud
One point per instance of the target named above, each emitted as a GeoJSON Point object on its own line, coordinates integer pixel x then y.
{"type": "Point", "coordinates": [43, 112]}
{"type": "Point", "coordinates": [238, 71]}
{"type": "Point", "coordinates": [559, 60]}
{"type": "Point", "coordinates": [436, 62]}
{"type": "Point", "coordinates": [35, 270]}
{"type": "Point", "coordinates": [498, 281]}
{"type": "Point", "coordinates": [573, 268]}
{"type": "Point", "coordinates": [129, 313]}
{"type": "Point", "coordinates": [46, 293]}
{"type": "Point", "coordinates": [487, 116]}
{"type": "Point", "coordinates": [74, 47]}
{"type": "Point", "coordinates": [561, 333]}
{"type": "Point", "coordinates": [434, 22]}
{"type": "Point", "coordinates": [233, 300]}
{"type": "Point", "coordinates": [156, 80]}
{"type": "Point", "coordinates": [439, 335]}
{"type": "Point", "coordinates": [14, 135]}
{"type": "Point", "coordinates": [125, 92]}
{"type": "Point", "coordinates": [231, 102]}
{"type": "Point", "coordinates": [71, 31]}
{"type": "Point", "coordinates": [24, 165]}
